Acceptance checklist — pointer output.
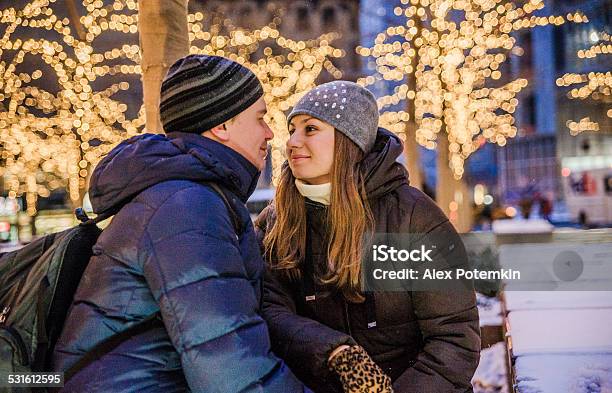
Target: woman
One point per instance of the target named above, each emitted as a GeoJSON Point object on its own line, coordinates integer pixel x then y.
{"type": "Point", "coordinates": [341, 182]}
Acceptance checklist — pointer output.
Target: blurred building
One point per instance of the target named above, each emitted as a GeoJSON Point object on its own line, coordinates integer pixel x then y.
{"type": "Point", "coordinates": [539, 161]}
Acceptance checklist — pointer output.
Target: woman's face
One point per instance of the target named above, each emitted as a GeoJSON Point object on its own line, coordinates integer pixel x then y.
{"type": "Point", "coordinates": [310, 149]}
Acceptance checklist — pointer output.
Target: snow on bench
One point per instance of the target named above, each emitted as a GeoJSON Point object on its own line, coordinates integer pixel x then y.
{"type": "Point", "coordinates": [586, 373]}
{"type": "Point", "coordinates": [560, 315]}
{"type": "Point", "coordinates": [560, 331]}
{"type": "Point", "coordinates": [489, 310]}
{"type": "Point", "coordinates": [550, 300]}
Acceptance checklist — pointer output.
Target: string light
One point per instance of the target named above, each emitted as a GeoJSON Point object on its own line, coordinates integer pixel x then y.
{"type": "Point", "coordinates": [594, 85]}
{"type": "Point", "coordinates": [456, 62]}
{"type": "Point", "coordinates": [585, 124]}
{"type": "Point", "coordinates": [604, 46]}
{"type": "Point", "coordinates": [52, 139]}
{"type": "Point", "coordinates": [287, 69]}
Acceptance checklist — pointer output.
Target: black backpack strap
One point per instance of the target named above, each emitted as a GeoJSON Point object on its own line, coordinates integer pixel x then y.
{"type": "Point", "coordinates": [106, 346]}
{"type": "Point", "coordinates": [38, 362]}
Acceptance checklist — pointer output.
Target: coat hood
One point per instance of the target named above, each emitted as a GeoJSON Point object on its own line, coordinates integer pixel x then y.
{"type": "Point", "coordinates": [145, 160]}
{"type": "Point", "coordinates": [383, 173]}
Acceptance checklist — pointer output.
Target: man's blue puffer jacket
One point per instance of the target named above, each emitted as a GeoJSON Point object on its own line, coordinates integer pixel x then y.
{"type": "Point", "coordinates": [172, 248]}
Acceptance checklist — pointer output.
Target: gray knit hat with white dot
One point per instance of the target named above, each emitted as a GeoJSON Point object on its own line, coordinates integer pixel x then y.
{"type": "Point", "coordinates": [350, 108]}
{"type": "Point", "coordinates": [202, 91]}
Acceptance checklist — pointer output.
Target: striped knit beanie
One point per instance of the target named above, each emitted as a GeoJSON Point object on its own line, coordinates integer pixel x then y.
{"type": "Point", "coordinates": [200, 92]}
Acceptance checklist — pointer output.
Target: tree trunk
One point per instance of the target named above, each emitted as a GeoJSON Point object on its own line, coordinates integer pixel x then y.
{"type": "Point", "coordinates": [452, 195]}
{"type": "Point", "coordinates": [162, 26]}
{"type": "Point", "coordinates": [411, 147]}
{"type": "Point", "coordinates": [413, 158]}
{"type": "Point", "coordinates": [75, 19]}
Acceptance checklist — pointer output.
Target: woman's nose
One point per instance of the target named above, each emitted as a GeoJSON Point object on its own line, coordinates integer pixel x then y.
{"type": "Point", "coordinates": [294, 140]}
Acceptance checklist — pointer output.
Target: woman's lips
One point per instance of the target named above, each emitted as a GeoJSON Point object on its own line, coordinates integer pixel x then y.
{"type": "Point", "coordinates": [298, 158]}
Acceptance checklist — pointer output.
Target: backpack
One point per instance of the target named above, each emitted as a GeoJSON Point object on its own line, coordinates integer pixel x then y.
{"type": "Point", "coordinates": [37, 285]}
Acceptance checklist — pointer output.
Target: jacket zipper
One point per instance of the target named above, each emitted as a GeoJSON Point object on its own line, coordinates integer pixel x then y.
{"type": "Point", "coordinates": [346, 316]}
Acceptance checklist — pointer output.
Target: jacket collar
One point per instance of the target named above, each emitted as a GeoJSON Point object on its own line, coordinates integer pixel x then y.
{"type": "Point", "coordinates": [383, 173]}
{"type": "Point", "coordinates": [236, 173]}
{"type": "Point", "coordinates": [148, 159]}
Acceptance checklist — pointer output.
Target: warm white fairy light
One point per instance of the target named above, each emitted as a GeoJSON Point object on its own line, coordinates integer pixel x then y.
{"type": "Point", "coordinates": [51, 140]}
{"type": "Point", "coordinates": [584, 124]}
{"type": "Point", "coordinates": [287, 79]}
{"type": "Point", "coordinates": [596, 86]}
{"type": "Point", "coordinates": [604, 46]}
{"type": "Point", "coordinates": [456, 60]}
{"type": "Point", "coordinates": [287, 69]}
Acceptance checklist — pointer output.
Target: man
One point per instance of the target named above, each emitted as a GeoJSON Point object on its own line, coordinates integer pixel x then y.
{"type": "Point", "coordinates": [172, 247]}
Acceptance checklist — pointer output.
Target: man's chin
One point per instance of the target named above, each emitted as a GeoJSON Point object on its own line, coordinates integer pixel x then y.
{"type": "Point", "coordinates": [261, 164]}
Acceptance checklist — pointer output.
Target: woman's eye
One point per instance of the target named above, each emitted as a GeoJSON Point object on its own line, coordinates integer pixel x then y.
{"type": "Point", "coordinates": [291, 132]}
{"type": "Point", "coordinates": [310, 128]}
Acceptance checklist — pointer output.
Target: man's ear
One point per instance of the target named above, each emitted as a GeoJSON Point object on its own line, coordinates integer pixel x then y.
{"type": "Point", "coordinates": [219, 133]}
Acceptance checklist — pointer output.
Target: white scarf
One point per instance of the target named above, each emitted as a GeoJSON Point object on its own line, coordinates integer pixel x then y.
{"type": "Point", "coordinates": [315, 192]}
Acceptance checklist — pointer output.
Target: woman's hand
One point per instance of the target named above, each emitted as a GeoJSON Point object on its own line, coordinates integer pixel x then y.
{"type": "Point", "coordinates": [358, 372]}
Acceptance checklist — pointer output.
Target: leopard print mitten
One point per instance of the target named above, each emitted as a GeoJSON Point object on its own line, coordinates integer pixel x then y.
{"type": "Point", "coordinates": [358, 372]}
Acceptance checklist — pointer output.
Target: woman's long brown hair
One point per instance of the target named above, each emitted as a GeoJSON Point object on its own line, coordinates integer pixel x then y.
{"type": "Point", "coordinates": [349, 219]}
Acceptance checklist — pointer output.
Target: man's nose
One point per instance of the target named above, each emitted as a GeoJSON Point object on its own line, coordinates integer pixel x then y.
{"type": "Point", "coordinates": [269, 133]}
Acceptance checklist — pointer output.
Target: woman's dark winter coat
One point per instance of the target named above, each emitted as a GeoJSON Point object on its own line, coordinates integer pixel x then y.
{"type": "Point", "coordinates": [426, 341]}
{"type": "Point", "coordinates": [172, 248]}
